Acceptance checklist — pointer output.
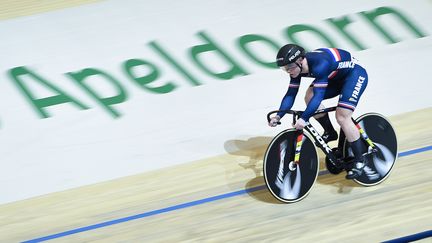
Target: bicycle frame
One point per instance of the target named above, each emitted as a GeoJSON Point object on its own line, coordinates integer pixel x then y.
{"type": "Point", "coordinates": [318, 140]}
{"type": "Point", "coordinates": [320, 143]}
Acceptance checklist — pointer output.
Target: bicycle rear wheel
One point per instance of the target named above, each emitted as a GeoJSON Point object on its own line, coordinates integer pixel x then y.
{"type": "Point", "coordinates": [288, 181]}
{"type": "Point", "coordinates": [381, 162]}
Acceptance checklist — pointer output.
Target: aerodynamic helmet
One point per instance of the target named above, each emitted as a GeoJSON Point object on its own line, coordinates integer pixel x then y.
{"type": "Point", "coordinates": [289, 54]}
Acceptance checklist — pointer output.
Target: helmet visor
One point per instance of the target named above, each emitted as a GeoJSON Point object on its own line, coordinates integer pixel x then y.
{"type": "Point", "coordinates": [291, 65]}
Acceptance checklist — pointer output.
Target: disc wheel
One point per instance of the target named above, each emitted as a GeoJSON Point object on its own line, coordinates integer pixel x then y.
{"type": "Point", "coordinates": [381, 159]}
{"type": "Point", "coordinates": [288, 181]}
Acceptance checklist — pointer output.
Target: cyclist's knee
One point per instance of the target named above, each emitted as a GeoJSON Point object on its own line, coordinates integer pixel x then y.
{"type": "Point", "coordinates": [343, 116]}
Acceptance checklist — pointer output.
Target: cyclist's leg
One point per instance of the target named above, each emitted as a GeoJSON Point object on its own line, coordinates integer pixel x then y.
{"type": "Point", "coordinates": [343, 117]}
{"type": "Point", "coordinates": [352, 90]}
{"type": "Point", "coordinates": [330, 133]}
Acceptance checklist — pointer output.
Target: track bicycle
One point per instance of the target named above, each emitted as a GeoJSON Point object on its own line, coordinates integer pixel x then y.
{"type": "Point", "coordinates": [291, 163]}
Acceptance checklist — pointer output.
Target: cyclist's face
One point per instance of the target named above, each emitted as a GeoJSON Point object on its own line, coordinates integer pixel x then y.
{"type": "Point", "coordinates": [292, 69]}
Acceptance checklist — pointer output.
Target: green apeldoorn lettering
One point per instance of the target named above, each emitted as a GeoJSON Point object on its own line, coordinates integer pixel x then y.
{"type": "Point", "coordinates": [197, 56]}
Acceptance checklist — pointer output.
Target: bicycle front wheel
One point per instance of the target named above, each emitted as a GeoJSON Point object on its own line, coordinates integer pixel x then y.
{"type": "Point", "coordinates": [286, 180]}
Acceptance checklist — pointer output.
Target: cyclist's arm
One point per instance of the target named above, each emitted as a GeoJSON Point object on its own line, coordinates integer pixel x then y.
{"type": "Point", "coordinates": [288, 100]}
{"type": "Point", "coordinates": [322, 71]}
{"type": "Point", "coordinates": [319, 89]}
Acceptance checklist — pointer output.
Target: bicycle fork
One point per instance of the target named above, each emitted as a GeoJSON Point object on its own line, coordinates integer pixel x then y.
{"type": "Point", "coordinates": [292, 165]}
{"type": "Point", "coordinates": [289, 189]}
{"type": "Point", "coordinates": [299, 142]}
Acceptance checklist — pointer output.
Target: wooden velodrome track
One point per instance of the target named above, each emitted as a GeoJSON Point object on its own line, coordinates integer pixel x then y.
{"type": "Point", "coordinates": [224, 198]}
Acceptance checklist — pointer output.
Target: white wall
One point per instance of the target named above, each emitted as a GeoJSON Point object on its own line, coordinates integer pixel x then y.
{"type": "Point", "coordinates": [76, 147]}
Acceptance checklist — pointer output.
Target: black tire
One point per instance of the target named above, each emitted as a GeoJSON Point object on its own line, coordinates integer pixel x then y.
{"type": "Point", "coordinates": [381, 163]}
{"type": "Point", "coordinates": [302, 177]}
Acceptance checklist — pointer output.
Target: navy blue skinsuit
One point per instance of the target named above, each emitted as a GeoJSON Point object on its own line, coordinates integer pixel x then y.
{"type": "Point", "coordinates": [336, 72]}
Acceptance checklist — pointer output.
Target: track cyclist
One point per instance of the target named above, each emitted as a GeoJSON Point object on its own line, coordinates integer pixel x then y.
{"type": "Point", "coordinates": [335, 72]}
